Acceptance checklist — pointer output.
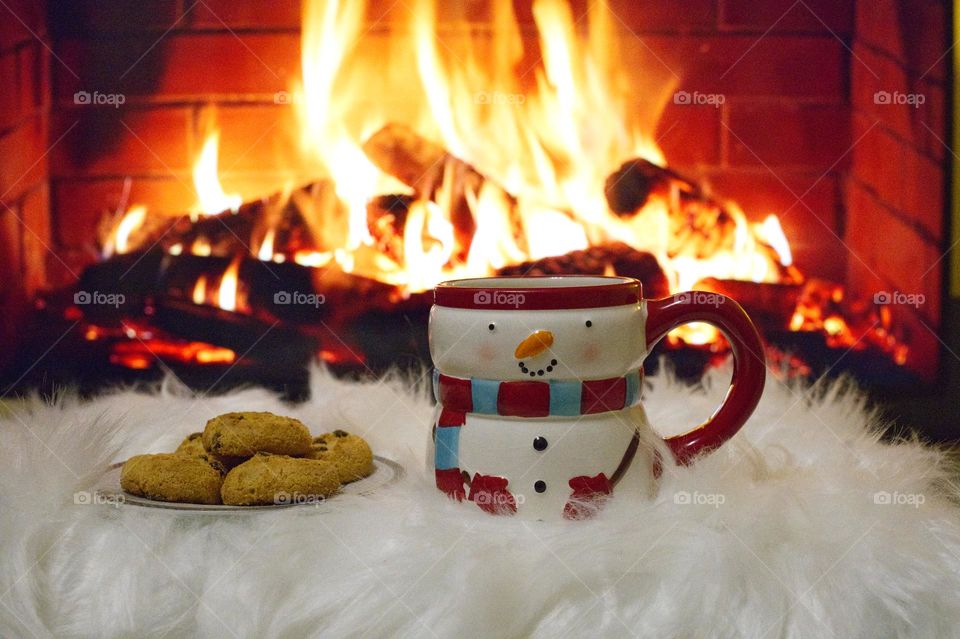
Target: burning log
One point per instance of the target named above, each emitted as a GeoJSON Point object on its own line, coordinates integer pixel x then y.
{"type": "Point", "coordinates": [599, 260]}
{"type": "Point", "coordinates": [246, 335]}
{"type": "Point", "coordinates": [292, 217]}
{"type": "Point", "coordinates": [628, 188]}
{"type": "Point", "coordinates": [425, 166]}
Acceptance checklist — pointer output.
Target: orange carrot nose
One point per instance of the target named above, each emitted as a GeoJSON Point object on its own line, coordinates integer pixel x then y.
{"type": "Point", "coordinates": [534, 344]}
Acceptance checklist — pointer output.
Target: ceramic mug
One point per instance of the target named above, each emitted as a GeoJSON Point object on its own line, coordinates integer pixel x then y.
{"type": "Point", "coordinates": [538, 382]}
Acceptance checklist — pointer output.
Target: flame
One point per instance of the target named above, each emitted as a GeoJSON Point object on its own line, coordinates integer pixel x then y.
{"type": "Point", "coordinates": [200, 290]}
{"type": "Point", "coordinates": [229, 283]}
{"type": "Point", "coordinates": [118, 241]}
{"type": "Point", "coordinates": [265, 252]}
{"type": "Point", "coordinates": [543, 149]}
{"type": "Point", "coordinates": [211, 197]}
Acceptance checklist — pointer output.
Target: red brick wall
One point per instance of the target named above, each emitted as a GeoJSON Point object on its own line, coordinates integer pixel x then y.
{"type": "Point", "coordinates": [896, 180]}
{"type": "Point", "coordinates": [24, 210]}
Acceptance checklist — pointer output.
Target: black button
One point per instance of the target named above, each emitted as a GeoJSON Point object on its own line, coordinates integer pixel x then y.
{"type": "Point", "coordinates": [540, 486]}
{"type": "Point", "coordinates": [540, 443]}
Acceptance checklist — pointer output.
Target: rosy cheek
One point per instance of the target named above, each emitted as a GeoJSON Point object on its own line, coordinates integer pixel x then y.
{"type": "Point", "coordinates": [486, 353]}
{"type": "Point", "coordinates": [591, 352]}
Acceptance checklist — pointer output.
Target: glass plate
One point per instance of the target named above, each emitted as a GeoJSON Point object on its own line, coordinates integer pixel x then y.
{"type": "Point", "coordinates": [107, 491]}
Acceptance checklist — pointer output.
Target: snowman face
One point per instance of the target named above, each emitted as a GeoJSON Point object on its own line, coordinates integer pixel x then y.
{"type": "Point", "coordinates": [593, 343]}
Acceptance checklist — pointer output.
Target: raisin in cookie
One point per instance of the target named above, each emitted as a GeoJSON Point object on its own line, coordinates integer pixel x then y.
{"type": "Point", "coordinates": [245, 434]}
{"type": "Point", "coordinates": [173, 477]}
{"type": "Point", "coordinates": [193, 447]}
{"type": "Point", "coordinates": [349, 453]}
{"type": "Point", "coordinates": [277, 479]}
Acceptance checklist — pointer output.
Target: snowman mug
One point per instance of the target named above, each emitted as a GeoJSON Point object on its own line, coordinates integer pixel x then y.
{"type": "Point", "coordinates": [538, 382]}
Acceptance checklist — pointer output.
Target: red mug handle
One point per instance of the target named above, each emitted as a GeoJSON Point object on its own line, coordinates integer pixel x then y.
{"type": "Point", "coordinates": [749, 369]}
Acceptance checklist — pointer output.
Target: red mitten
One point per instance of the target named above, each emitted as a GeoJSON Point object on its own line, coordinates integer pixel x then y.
{"type": "Point", "coordinates": [589, 495]}
{"type": "Point", "coordinates": [450, 481]}
{"type": "Point", "coordinates": [491, 494]}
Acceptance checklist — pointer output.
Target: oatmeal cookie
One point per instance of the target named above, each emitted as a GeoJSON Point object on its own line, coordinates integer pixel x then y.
{"type": "Point", "coordinates": [278, 479]}
{"type": "Point", "coordinates": [173, 477]}
{"type": "Point", "coordinates": [247, 433]}
{"type": "Point", "coordinates": [350, 453]}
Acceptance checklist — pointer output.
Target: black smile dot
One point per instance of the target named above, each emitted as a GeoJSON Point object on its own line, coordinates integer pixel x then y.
{"type": "Point", "coordinates": [540, 486]}
{"type": "Point", "coordinates": [521, 365]}
{"type": "Point", "coordinates": [532, 374]}
{"type": "Point", "coordinates": [553, 362]}
{"type": "Point", "coordinates": [549, 368]}
{"type": "Point", "coordinates": [540, 372]}
{"type": "Point", "coordinates": [540, 443]}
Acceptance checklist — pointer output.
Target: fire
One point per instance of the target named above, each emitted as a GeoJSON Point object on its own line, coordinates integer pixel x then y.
{"type": "Point", "coordinates": [227, 293]}
{"type": "Point", "coordinates": [119, 239]}
{"type": "Point", "coordinates": [543, 150]}
{"type": "Point", "coordinates": [211, 197]}
{"type": "Point", "coordinates": [493, 169]}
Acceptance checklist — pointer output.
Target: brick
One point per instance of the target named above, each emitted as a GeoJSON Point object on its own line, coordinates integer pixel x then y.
{"type": "Point", "coordinates": [915, 32]}
{"type": "Point", "coordinates": [23, 163]}
{"type": "Point", "coordinates": [913, 184]}
{"type": "Point", "coordinates": [21, 21]}
{"type": "Point", "coordinates": [179, 68]}
{"type": "Point", "coordinates": [13, 305]}
{"type": "Point", "coordinates": [110, 141]}
{"type": "Point", "coordinates": [257, 138]}
{"type": "Point", "coordinates": [9, 100]}
{"type": "Point", "coordinates": [791, 66]}
{"type": "Point", "coordinates": [31, 76]}
{"type": "Point", "coordinates": [64, 268]}
{"type": "Point", "coordinates": [893, 250]}
{"type": "Point", "coordinates": [783, 134]}
{"type": "Point", "coordinates": [777, 16]}
{"type": "Point", "coordinates": [35, 214]}
{"type": "Point", "coordinates": [116, 16]}
{"type": "Point", "coordinates": [78, 205]}
{"type": "Point", "coordinates": [243, 14]}
{"type": "Point", "coordinates": [662, 15]}
{"type": "Point", "coordinates": [10, 245]}
{"type": "Point", "coordinates": [813, 226]}
{"type": "Point", "coordinates": [689, 134]}
{"type": "Point", "coordinates": [923, 124]}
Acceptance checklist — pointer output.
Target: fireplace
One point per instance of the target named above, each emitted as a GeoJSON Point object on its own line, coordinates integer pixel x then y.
{"type": "Point", "coordinates": [229, 191]}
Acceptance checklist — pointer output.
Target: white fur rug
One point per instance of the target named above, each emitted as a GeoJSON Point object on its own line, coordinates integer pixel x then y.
{"type": "Point", "coordinates": [786, 534]}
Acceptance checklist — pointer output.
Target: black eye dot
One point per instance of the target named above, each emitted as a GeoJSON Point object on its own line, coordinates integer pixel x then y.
{"type": "Point", "coordinates": [491, 326]}
{"type": "Point", "coordinates": [589, 323]}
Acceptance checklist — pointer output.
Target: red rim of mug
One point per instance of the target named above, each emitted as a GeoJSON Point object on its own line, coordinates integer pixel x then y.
{"type": "Point", "coordinates": [526, 293]}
